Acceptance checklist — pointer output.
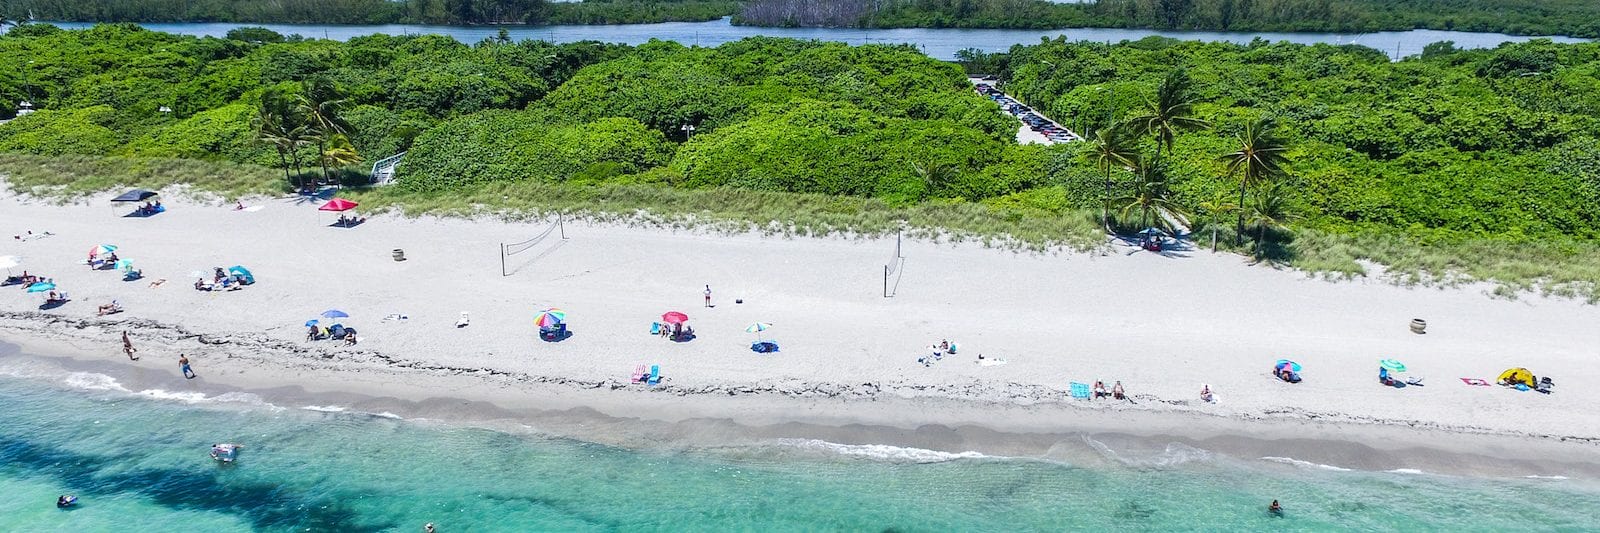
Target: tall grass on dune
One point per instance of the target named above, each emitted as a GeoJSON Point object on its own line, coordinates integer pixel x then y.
{"type": "Point", "coordinates": [71, 176]}
{"type": "Point", "coordinates": [744, 210]}
{"type": "Point", "coordinates": [1568, 268]}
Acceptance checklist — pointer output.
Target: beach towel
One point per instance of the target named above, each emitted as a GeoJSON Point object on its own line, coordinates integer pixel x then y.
{"type": "Point", "coordinates": [1080, 390]}
{"type": "Point", "coordinates": [1475, 382]}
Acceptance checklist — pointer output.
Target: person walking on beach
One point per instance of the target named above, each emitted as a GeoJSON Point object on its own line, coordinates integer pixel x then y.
{"type": "Point", "coordinates": [183, 364]}
{"type": "Point", "coordinates": [127, 347]}
{"type": "Point", "coordinates": [708, 296]}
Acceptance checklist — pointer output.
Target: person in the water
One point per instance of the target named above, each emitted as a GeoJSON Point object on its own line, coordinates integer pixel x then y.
{"type": "Point", "coordinates": [65, 500]}
{"type": "Point", "coordinates": [1275, 509]}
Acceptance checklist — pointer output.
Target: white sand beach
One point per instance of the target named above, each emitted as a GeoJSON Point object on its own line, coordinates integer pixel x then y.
{"type": "Point", "coordinates": [1161, 324]}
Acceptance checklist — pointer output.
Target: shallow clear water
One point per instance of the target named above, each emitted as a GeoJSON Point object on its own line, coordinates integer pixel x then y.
{"type": "Point", "coordinates": [937, 42]}
{"type": "Point", "coordinates": [137, 460]}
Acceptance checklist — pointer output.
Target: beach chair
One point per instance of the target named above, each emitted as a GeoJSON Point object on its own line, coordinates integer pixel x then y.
{"type": "Point", "coordinates": [463, 321]}
{"type": "Point", "coordinates": [655, 375]}
{"type": "Point", "coordinates": [639, 375]}
{"type": "Point", "coordinates": [655, 328]}
{"type": "Point", "coordinates": [1080, 390]}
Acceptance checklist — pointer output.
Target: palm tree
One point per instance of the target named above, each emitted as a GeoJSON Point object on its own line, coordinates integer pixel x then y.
{"type": "Point", "coordinates": [277, 123]}
{"type": "Point", "coordinates": [1214, 208]}
{"type": "Point", "coordinates": [1270, 210]}
{"type": "Point", "coordinates": [319, 103]}
{"type": "Point", "coordinates": [1109, 149]}
{"type": "Point", "coordinates": [1171, 112]}
{"type": "Point", "coordinates": [1149, 195]}
{"type": "Point", "coordinates": [934, 176]}
{"type": "Point", "coordinates": [1261, 156]}
{"type": "Point", "coordinates": [339, 152]}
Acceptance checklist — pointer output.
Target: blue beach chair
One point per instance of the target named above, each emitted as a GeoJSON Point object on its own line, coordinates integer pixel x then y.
{"type": "Point", "coordinates": [1080, 390]}
{"type": "Point", "coordinates": [655, 375]}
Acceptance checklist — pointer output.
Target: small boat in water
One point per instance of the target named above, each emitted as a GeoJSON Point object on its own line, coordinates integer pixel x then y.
{"type": "Point", "coordinates": [225, 452]}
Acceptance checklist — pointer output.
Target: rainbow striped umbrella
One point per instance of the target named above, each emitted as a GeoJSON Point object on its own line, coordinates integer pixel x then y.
{"type": "Point", "coordinates": [550, 318]}
{"type": "Point", "coordinates": [102, 249]}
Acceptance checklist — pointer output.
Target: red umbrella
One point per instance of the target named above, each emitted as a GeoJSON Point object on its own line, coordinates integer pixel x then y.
{"type": "Point", "coordinates": [338, 204]}
{"type": "Point", "coordinates": [674, 317]}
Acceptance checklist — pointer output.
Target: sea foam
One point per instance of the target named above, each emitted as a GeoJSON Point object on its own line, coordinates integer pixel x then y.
{"type": "Point", "coordinates": [1307, 464]}
{"type": "Point", "coordinates": [881, 452]}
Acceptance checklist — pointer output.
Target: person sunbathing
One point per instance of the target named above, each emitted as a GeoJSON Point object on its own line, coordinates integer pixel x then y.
{"type": "Point", "coordinates": [109, 308]}
{"type": "Point", "coordinates": [201, 285]}
{"type": "Point", "coordinates": [1116, 391]}
{"type": "Point", "coordinates": [1205, 394]}
{"type": "Point", "coordinates": [1100, 389]}
{"type": "Point", "coordinates": [349, 338]}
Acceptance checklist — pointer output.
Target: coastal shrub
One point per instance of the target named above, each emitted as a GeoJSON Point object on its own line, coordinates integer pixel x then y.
{"type": "Point", "coordinates": [817, 147]}
{"type": "Point", "coordinates": [221, 133]}
{"type": "Point", "coordinates": [526, 145]}
{"type": "Point", "coordinates": [58, 132]}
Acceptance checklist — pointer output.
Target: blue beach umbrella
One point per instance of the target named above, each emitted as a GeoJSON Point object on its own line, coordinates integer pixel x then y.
{"type": "Point", "coordinates": [335, 313]}
{"type": "Point", "coordinates": [41, 287]}
{"type": "Point", "coordinates": [312, 322]}
{"type": "Point", "coordinates": [242, 272]}
{"type": "Point", "coordinates": [1292, 365]}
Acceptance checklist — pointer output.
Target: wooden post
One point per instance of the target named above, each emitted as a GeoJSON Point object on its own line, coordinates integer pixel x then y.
{"type": "Point", "coordinates": [503, 260]}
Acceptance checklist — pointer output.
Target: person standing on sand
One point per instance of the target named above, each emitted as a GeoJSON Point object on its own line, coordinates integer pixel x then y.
{"type": "Point", "coordinates": [183, 364]}
{"type": "Point", "coordinates": [708, 296]}
{"type": "Point", "coordinates": [127, 347]}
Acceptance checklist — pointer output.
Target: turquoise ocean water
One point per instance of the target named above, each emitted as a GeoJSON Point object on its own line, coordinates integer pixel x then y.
{"type": "Point", "coordinates": [139, 461]}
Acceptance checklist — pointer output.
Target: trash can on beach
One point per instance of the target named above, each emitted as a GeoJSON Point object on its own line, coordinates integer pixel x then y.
{"type": "Point", "coordinates": [400, 255]}
{"type": "Point", "coordinates": [1419, 326]}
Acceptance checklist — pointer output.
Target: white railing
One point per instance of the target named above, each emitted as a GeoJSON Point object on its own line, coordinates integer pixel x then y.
{"type": "Point", "coordinates": [383, 169]}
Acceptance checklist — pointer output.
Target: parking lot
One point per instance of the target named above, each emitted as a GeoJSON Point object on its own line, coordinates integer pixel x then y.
{"type": "Point", "coordinates": [1036, 128]}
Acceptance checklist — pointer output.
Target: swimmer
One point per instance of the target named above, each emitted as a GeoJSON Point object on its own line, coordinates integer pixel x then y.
{"type": "Point", "coordinates": [428, 527]}
{"type": "Point", "coordinates": [1275, 509]}
{"type": "Point", "coordinates": [65, 501]}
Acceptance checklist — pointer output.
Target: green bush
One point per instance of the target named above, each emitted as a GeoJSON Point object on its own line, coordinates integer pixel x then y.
{"type": "Point", "coordinates": [524, 146]}
{"type": "Point", "coordinates": [222, 133]}
{"type": "Point", "coordinates": [53, 132]}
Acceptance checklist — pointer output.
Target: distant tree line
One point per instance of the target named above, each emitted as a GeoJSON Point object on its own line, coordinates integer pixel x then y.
{"type": "Point", "coordinates": [369, 11]}
{"type": "Point", "coordinates": [1579, 18]}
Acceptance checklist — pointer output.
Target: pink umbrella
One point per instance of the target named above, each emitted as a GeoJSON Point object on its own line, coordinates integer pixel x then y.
{"type": "Point", "coordinates": [338, 204]}
{"type": "Point", "coordinates": [674, 317]}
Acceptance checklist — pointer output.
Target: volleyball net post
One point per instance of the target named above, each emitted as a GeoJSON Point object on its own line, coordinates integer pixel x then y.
{"type": "Point", "coordinates": [559, 227]}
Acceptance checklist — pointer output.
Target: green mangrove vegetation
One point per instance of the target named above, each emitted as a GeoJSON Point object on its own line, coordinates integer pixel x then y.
{"type": "Point", "coordinates": [1449, 166]}
{"type": "Point", "coordinates": [370, 11]}
{"type": "Point", "coordinates": [1577, 18]}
